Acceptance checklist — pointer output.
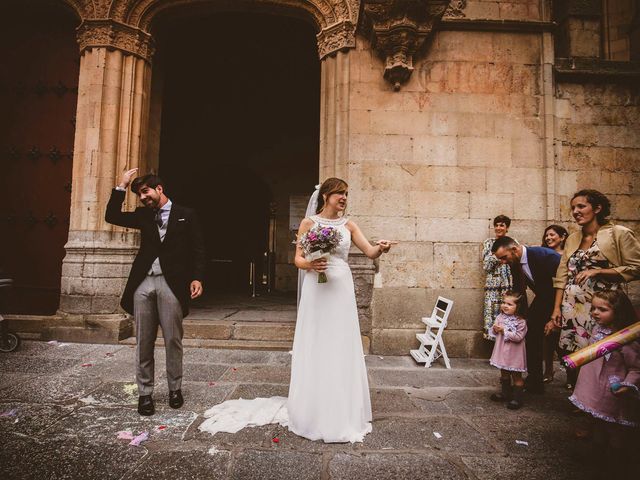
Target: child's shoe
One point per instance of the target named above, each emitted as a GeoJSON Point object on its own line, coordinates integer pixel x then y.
{"type": "Point", "coordinates": [505, 391]}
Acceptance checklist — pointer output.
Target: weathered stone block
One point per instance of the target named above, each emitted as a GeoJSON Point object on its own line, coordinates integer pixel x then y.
{"type": "Point", "coordinates": [451, 230]}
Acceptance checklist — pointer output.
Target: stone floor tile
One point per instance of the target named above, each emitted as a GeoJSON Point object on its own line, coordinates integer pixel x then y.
{"type": "Point", "coordinates": [52, 389]}
{"type": "Point", "coordinates": [395, 433]}
{"type": "Point", "coordinates": [226, 357]}
{"type": "Point", "coordinates": [194, 465]}
{"type": "Point", "coordinates": [420, 377]}
{"type": "Point", "coordinates": [393, 466]}
{"type": "Point", "coordinates": [27, 459]}
{"type": "Point", "coordinates": [257, 374]}
{"type": "Point", "coordinates": [392, 401]}
{"type": "Point", "coordinates": [202, 372]}
{"type": "Point", "coordinates": [264, 390]}
{"type": "Point", "coordinates": [100, 425]}
{"type": "Point", "coordinates": [500, 467]}
{"type": "Point", "coordinates": [198, 396]}
{"type": "Point", "coordinates": [28, 418]}
{"type": "Point", "coordinates": [381, 361]}
{"type": "Point", "coordinates": [35, 364]}
{"type": "Point", "coordinates": [283, 465]}
{"type": "Point", "coordinates": [251, 437]}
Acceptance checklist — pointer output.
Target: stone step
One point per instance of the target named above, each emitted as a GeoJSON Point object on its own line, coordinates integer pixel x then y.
{"type": "Point", "coordinates": [230, 330]}
{"type": "Point", "coordinates": [224, 344]}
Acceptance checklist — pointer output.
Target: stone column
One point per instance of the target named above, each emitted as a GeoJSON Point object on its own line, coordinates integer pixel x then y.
{"type": "Point", "coordinates": [334, 116]}
{"type": "Point", "coordinates": [111, 131]}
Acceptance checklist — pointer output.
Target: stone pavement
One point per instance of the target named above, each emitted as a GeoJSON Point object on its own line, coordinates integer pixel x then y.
{"type": "Point", "coordinates": [62, 407]}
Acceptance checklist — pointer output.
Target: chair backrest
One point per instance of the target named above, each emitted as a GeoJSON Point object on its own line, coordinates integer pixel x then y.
{"type": "Point", "coordinates": [441, 310]}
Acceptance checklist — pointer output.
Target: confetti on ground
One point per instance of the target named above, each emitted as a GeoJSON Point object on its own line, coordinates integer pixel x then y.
{"type": "Point", "coordinates": [125, 435]}
{"type": "Point", "coordinates": [234, 369]}
{"type": "Point", "coordinates": [437, 435]}
{"type": "Point", "coordinates": [89, 400]}
{"type": "Point", "coordinates": [130, 389]}
{"type": "Point", "coordinates": [56, 343]}
{"type": "Point", "coordinates": [109, 354]}
{"type": "Point", "coordinates": [160, 428]}
{"type": "Point", "coordinates": [213, 451]}
{"type": "Point", "coordinates": [522, 442]}
{"type": "Point", "coordinates": [211, 384]}
{"type": "Point", "coordinates": [143, 437]}
{"type": "Point", "coordinates": [87, 365]}
{"type": "Point", "coordinates": [275, 440]}
{"type": "Point", "coordinates": [9, 413]}
{"type": "Point", "coordinates": [381, 358]}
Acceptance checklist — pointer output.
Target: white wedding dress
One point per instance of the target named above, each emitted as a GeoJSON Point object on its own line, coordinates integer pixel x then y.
{"type": "Point", "coordinates": [329, 391]}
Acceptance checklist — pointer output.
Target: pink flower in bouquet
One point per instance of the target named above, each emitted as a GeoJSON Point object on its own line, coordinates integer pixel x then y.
{"type": "Point", "coordinates": [319, 242]}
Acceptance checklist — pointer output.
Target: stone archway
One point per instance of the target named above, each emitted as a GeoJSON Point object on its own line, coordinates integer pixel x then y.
{"type": "Point", "coordinates": [115, 130]}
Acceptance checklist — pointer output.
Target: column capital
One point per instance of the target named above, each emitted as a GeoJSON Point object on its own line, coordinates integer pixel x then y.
{"type": "Point", "coordinates": [115, 35]}
{"type": "Point", "coordinates": [337, 37]}
{"type": "Point", "coordinates": [399, 29]}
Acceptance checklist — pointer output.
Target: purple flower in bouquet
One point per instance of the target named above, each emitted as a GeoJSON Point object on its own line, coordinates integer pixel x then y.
{"type": "Point", "coordinates": [320, 242]}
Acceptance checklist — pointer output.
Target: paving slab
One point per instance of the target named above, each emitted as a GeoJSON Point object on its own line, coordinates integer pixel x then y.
{"type": "Point", "coordinates": [258, 465]}
{"type": "Point", "coordinates": [27, 459]}
{"type": "Point", "coordinates": [419, 377]}
{"type": "Point", "coordinates": [100, 425]}
{"type": "Point", "coordinates": [419, 434]}
{"type": "Point", "coordinates": [393, 466]}
{"type": "Point", "coordinates": [52, 389]}
{"type": "Point", "coordinates": [69, 416]}
{"type": "Point", "coordinates": [226, 357]}
{"type": "Point", "coordinates": [29, 419]}
{"type": "Point", "coordinates": [194, 465]}
{"type": "Point", "coordinates": [257, 374]}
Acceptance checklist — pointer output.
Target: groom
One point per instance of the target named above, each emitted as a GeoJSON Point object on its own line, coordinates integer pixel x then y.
{"type": "Point", "coordinates": [167, 271]}
{"type": "Point", "coordinates": [532, 267]}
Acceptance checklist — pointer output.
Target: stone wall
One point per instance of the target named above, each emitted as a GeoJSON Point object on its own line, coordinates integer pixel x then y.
{"type": "Point", "coordinates": [470, 136]}
{"type": "Point", "coordinates": [598, 146]}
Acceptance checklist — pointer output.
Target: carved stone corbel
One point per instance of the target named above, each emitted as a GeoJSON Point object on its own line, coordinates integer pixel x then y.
{"type": "Point", "coordinates": [399, 29]}
{"type": "Point", "coordinates": [340, 36]}
{"type": "Point", "coordinates": [115, 35]}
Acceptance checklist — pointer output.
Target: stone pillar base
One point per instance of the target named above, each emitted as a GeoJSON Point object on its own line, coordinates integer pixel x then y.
{"type": "Point", "coordinates": [73, 328]}
{"type": "Point", "coordinates": [363, 270]}
{"type": "Point", "coordinates": [95, 271]}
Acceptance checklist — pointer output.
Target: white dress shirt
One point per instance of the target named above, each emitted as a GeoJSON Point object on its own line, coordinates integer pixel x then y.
{"type": "Point", "coordinates": [525, 265]}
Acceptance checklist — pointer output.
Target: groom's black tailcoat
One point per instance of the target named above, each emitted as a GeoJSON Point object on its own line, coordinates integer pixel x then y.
{"type": "Point", "coordinates": [182, 254]}
{"type": "Point", "coordinates": [543, 263]}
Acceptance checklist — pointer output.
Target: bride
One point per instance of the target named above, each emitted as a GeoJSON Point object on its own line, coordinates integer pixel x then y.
{"type": "Point", "coordinates": [328, 392]}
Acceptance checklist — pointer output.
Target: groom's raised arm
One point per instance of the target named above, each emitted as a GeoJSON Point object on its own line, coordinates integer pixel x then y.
{"type": "Point", "coordinates": [114, 213]}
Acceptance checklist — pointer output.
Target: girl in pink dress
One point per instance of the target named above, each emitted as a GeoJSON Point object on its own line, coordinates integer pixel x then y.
{"type": "Point", "coordinates": [509, 351]}
{"type": "Point", "coordinates": [608, 387]}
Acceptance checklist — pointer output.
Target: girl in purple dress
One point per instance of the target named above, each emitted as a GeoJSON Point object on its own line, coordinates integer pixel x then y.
{"type": "Point", "coordinates": [608, 388]}
{"type": "Point", "coordinates": [509, 351]}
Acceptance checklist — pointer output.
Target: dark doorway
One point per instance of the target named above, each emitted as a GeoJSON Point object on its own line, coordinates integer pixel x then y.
{"type": "Point", "coordinates": [240, 137]}
{"type": "Point", "coordinates": [38, 97]}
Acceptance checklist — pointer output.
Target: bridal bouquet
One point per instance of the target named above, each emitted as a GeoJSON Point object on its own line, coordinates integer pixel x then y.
{"type": "Point", "coordinates": [320, 242]}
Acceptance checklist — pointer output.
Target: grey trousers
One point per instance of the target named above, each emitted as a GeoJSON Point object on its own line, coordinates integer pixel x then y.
{"type": "Point", "coordinates": [155, 304]}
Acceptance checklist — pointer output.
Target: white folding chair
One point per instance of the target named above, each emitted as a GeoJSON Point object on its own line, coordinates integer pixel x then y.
{"type": "Point", "coordinates": [431, 342]}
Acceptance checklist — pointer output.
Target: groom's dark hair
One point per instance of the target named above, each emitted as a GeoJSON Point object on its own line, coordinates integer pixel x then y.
{"type": "Point", "coordinates": [506, 242]}
{"type": "Point", "coordinates": [150, 180]}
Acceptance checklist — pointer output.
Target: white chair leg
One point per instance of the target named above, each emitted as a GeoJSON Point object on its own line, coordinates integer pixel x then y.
{"type": "Point", "coordinates": [444, 354]}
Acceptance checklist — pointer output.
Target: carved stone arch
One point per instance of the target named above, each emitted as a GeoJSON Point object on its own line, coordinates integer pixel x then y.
{"type": "Point", "coordinates": [335, 20]}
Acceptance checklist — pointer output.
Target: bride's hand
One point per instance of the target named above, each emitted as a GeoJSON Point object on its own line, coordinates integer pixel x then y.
{"type": "Point", "coordinates": [319, 265]}
{"type": "Point", "coordinates": [385, 245]}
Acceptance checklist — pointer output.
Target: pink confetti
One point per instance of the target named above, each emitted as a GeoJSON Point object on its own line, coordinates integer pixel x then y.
{"type": "Point", "coordinates": [143, 437]}
{"type": "Point", "coordinates": [109, 354]}
{"type": "Point", "coordinates": [275, 440]}
{"type": "Point", "coordinates": [235, 369]}
{"type": "Point", "coordinates": [125, 435]}
{"type": "Point", "coordinates": [87, 365]}
{"type": "Point", "coordinates": [160, 428]}
{"type": "Point", "coordinates": [9, 413]}
{"type": "Point", "coordinates": [211, 384]}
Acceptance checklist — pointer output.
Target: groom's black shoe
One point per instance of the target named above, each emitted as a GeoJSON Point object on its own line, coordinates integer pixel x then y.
{"type": "Point", "coordinates": [145, 405]}
{"type": "Point", "coordinates": [175, 399]}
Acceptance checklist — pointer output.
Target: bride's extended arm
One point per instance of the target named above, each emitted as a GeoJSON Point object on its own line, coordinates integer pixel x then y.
{"type": "Point", "coordinates": [371, 251]}
{"type": "Point", "coordinates": [319, 265]}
